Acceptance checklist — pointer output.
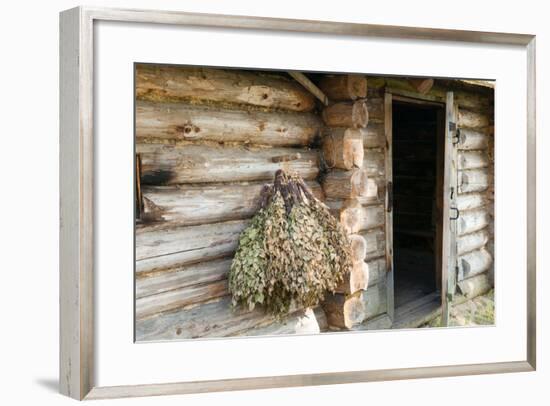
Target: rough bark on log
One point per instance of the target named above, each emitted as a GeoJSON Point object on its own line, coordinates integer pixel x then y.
{"type": "Point", "coordinates": [473, 180]}
{"type": "Point", "coordinates": [207, 85]}
{"type": "Point", "coordinates": [344, 87]}
{"type": "Point", "coordinates": [173, 164]}
{"type": "Point", "coordinates": [474, 263]}
{"type": "Point", "coordinates": [355, 217]}
{"type": "Point", "coordinates": [468, 201]}
{"type": "Point", "coordinates": [472, 119]}
{"type": "Point", "coordinates": [168, 248]}
{"type": "Point", "coordinates": [343, 148]}
{"type": "Point", "coordinates": [347, 114]}
{"type": "Point", "coordinates": [375, 240]}
{"type": "Point", "coordinates": [471, 242]}
{"type": "Point", "coordinates": [472, 220]}
{"type": "Point", "coordinates": [312, 321]}
{"type": "Point", "coordinates": [374, 162]}
{"type": "Point", "coordinates": [182, 277]}
{"type": "Point", "coordinates": [178, 298]}
{"type": "Point", "coordinates": [474, 286]}
{"type": "Point", "coordinates": [472, 159]}
{"type": "Point", "coordinates": [472, 139]}
{"type": "Point", "coordinates": [349, 184]}
{"type": "Point", "coordinates": [174, 121]}
{"type": "Point", "coordinates": [207, 203]}
{"type": "Point", "coordinates": [213, 319]}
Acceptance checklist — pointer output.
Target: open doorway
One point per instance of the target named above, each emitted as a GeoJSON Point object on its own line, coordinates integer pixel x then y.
{"type": "Point", "coordinates": [418, 135]}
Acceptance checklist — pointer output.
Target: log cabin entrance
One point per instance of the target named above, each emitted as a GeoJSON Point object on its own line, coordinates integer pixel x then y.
{"type": "Point", "coordinates": [418, 135]}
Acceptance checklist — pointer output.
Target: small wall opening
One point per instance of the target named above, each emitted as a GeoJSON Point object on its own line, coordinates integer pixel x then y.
{"type": "Point", "coordinates": [416, 130]}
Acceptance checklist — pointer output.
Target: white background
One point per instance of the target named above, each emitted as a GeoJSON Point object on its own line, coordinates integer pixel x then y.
{"type": "Point", "coordinates": [29, 203]}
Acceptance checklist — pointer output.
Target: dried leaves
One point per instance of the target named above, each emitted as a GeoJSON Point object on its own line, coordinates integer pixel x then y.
{"type": "Point", "coordinates": [292, 253]}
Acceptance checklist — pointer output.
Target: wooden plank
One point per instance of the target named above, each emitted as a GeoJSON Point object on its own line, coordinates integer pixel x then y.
{"type": "Point", "coordinates": [469, 201]}
{"type": "Point", "coordinates": [473, 180]}
{"type": "Point", "coordinates": [472, 160]}
{"type": "Point", "coordinates": [168, 248]}
{"type": "Point", "coordinates": [223, 86]}
{"type": "Point", "coordinates": [388, 205]}
{"type": "Point", "coordinates": [471, 139]}
{"type": "Point", "coordinates": [176, 121]}
{"type": "Point", "coordinates": [172, 164]}
{"type": "Point", "coordinates": [309, 86]}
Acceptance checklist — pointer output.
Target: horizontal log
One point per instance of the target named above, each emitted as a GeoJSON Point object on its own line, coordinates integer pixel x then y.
{"type": "Point", "coordinates": [174, 121]}
{"type": "Point", "coordinates": [474, 286]}
{"type": "Point", "coordinates": [471, 139]}
{"type": "Point", "coordinates": [473, 180]}
{"type": "Point", "coordinates": [468, 201]}
{"type": "Point", "coordinates": [178, 298]}
{"type": "Point", "coordinates": [377, 270]}
{"type": "Point", "coordinates": [312, 321]}
{"type": "Point", "coordinates": [173, 164]}
{"type": "Point", "coordinates": [344, 87]}
{"type": "Point", "coordinates": [206, 203]}
{"type": "Point", "coordinates": [472, 100]}
{"type": "Point", "coordinates": [374, 135]}
{"type": "Point", "coordinates": [201, 273]}
{"type": "Point", "coordinates": [375, 299]}
{"type": "Point", "coordinates": [343, 148]}
{"type": "Point", "coordinates": [207, 85]}
{"type": "Point", "coordinates": [472, 119]}
{"type": "Point", "coordinates": [375, 241]}
{"type": "Point", "coordinates": [374, 162]}
{"type": "Point", "coordinates": [471, 242]}
{"type": "Point", "coordinates": [338, 183]}
{"type": "Point", "coordinates": [168, 248]}
{"type": "Point", "coordinates": [355, 217]}
{"type": "Point", "coordinates": [474, 263]}
{"type": "Point", "coordinates": [347, 114]}
{"type": "Point", "coordinates": [472, 220]}
{"type": "Point", "coordinates": [213, 319]}
{"type": "Point", "coordinates": [344, 311]}
{"type": "Point", "coordinates": [336, 204]}
{"type": "Point", "coordinates": [376, 110]}
{"type": "Point", "coordinates": [472, 159]}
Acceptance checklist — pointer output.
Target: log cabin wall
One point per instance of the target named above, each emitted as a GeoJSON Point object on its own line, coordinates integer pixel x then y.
{"type": "Point", "coordinates": [207, 140]}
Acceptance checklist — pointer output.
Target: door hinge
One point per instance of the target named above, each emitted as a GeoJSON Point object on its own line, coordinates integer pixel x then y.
{"type": "Point", "coordinates": [452, 126]}
{"type": "Point", "coordinates": [389, 192]}
{"type": "Point", "coordinates": [457, 213]}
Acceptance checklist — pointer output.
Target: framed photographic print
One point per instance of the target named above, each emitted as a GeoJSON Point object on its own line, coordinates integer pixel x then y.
{"type": "Point", "coordinates": [280, 188]}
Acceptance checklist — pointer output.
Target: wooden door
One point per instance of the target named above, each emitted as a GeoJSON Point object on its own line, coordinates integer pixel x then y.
{"type": "Point", "coordinates": [449, 211]}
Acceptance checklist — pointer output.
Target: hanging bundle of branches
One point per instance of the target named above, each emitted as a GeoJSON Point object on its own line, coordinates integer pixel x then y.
{"type": "Point", "coordinates": [293, 252]}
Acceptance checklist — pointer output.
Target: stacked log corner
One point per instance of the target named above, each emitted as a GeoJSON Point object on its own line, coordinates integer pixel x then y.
{"type": "Point", "coordinates": [208, 139]}
{"type": "Point", "coordinates": [475, 201]}
{"type": "Point", "coordinates": [351, 187]}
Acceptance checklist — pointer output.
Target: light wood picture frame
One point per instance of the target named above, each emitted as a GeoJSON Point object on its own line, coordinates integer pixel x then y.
{"type": "Point", "coordinates": [77, 199]}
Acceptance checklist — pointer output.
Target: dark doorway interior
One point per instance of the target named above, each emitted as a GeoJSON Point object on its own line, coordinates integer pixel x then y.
{"type": "Point", "coordinates": [417, 136]}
